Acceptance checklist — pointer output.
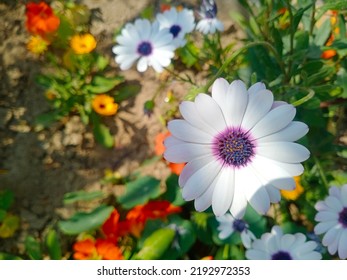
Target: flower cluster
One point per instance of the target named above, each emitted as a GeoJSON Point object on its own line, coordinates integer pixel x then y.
{"type": "Point", "coordinates": [152, 44]}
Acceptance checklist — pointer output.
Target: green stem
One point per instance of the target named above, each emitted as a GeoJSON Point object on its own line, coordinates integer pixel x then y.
{"type": "Point", "coordinates": [305, 98]}
{"type": "Point", "coordinates": [178, 76]}
{"type": "Point", "coordinates": [291, 40]}
{"type": "Point", "coordinates": [321, 172]}
{"type": "Point", "coordinates": [237, 53]}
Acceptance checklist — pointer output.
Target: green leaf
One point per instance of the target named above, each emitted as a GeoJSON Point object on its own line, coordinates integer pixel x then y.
{"type": "Point", "coordinates": [44, 81]}
{"type": "Point", "coordinates": [184, 238]}
{"type": "Point", "coordinates": [9, 226]}
{"type": "Point", "coordinates": [6, 199]}
{"type": "Point", "coordinates": [33, 248]}
{"type": "Point", "coordinates": [101, 62]}
{"type": "Point", "coordinates": [102, 84]}
{"type": "Point", "coordinates": [322, 33]}
{"type": "Point", "coordinates": [140, 191]}
{"type": "Point", "coordinates": [156, 244]}
{"type": "Point", "coordinates": [46, 119]}
{"type": "Point", "coordinates": [173, 191]}
{"type": "Point", "coordinates": [53, 245]}
{"type": "Point", "coordinates": [102, 134]}
{"type": "Point", "coordinates": [189, 54]}
{"type": "Point", "coordinates": [126, 91]}
{"type": "Point", "coordinates": [2, 215]}
{"type": "Point", "coordinates": [5, 256]}
{"type": "Point", "coordinates": [81, 222]}
{"type": "Point", "coordinates": [298, 15]}
{"type": "Point", "coordinates": [72, 197]}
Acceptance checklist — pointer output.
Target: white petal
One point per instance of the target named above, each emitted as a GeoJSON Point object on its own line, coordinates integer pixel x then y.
{"type": "Point", "coordinates": [274, 121]}
{"type": "Point", "coordinates": [292, 132]}
{"type": "Point", "coordinates": [343, 196]}
{"type": "Point", "coordinates": [324, 227]}
{"type": "Point", "coordinates": [190, 113]}
{"type": "Point", "coordinates": [283, 151]}
{"type": "Point", "coordinates": [259, 105]}
{"type": "Point", "coordinates": [186, 132]}
{"type": "Point", "coordinates": [256, 87]}
{"type": "Point", "coordinates": [236, 103]}
{"type": "Point", "coordinates": [255, 192]}
{"type": "Point", "coordinates": [210, 112]}
{"type": "Point", "coordinates": [219, 91]}
{"type": "Point", "coordinates": [198, 182]}
{"type": "Point", "coordinates": [239, 204]}
{"type": "Point", "coordinates": [205, 200]}
{"type": "Point", "coordinates": [330, 236]}
{"type": "Point", "coordinates": [311, 256]}
{"type": "Point", "coordinates": [257, 255]}
{"type": "Point", "coordinates": [186, 152]}
{"type": "Point", "coordinates": [334, 203]}
{"type": "Point", "coordinates": [273, 174]}
{"type": "Point", "coordinates": [142, 64]}
{"type": "Point", "coordinates": [274, 193]}
{"type": "Point", "coordinates": [287, 241]}
{"type": "Point", "coordinates": [325, 216]}
{"type": "Point", "coordinates": [342, 247]}
{"type": "Point", "coordinates": [223, 192]}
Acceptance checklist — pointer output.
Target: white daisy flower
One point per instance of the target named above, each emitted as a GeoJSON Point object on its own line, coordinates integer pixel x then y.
{"type": "Point", "coordinates": [209, 23]}
{"type": "Point", "coordinates": [146, 43]}
{"type": "Point", "coordinates": [332, 218]}
{"type": "Point", "coordinates": [179, 24]}
{"type": "Point", "coordinates": [279, 246]}
{"type": "Point", "coordinates": [238, 146]}
{"type": "Point", "coordinates": [228, 225]}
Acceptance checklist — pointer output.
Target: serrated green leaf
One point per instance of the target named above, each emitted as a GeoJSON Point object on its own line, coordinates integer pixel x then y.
{"type": "Point", "coordinates": [156, 244]}
{"type": "Point", "coordinates": [53, 245]}
{"type": "Point", "coordinates": [72, 197]}
{"type": "Point", "coordinates": [140, 191]}
{"type": "Point", "coordinates": [33, 248]}
{"type": "Point", "coordinates": [82, 222]}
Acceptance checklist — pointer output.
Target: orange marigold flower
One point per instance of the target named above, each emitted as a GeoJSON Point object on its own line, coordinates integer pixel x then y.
{"type": "Point", "coordinates": [101, 249]}
{"type": "Point", "coordinates": [294, 194]}
{"type": "Point", "coordinates": [159, 150]}
{"type": "Point", "coordinates": [104, 105]}
{"type": "Point", "coordinates": [37, 45]}
{"type": "Point", "coordinates": [82, 44]}
{"type": "Point", "coordinates": [41, 19]}
{"type": "Point", "coordinates": [328, 54]}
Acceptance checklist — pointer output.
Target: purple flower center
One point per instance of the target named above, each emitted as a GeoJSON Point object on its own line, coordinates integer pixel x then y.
{"type": "Point", "coordinates": [281, 255]}
{"type": "Point", "coordinates": [343, 217]}
{"type": "Point", "coordinates": [175, 29]}
{"type": "Point", "coordinates": [144, 48]}
{"type": "Point", "coordinates": [239, 225]}
{"type": "Point", "coordinates": [234, 147]}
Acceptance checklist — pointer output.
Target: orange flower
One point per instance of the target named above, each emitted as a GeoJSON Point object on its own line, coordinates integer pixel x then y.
{"type": "Point", "coordinates": [104, 105]}
{"type": "Point", "coordinates": [41, 19]}
{"type": "Point", "coordinates": [138, 216]}
{"type": "Point", "coordinates": [101, 249]}
{"type": "Point", "coordinates": [328, 54]}
{"type": "Point", "coordinates": [207, 258]}
{"type": "Point", "coordinates": [82, 44]}
{"type": "Point", "coordinates": [294, 194]}
{"type": "Point", "coordinates": [159, 150]}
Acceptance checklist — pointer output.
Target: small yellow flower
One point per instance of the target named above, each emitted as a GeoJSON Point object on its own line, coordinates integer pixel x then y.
{"type": "Point", "coordinates": [294, 194]}
{"type": "Point", "coordinates": [82, 44]}
{"type": "Point", "coordinates": [37, 45]}
{"type": "Point", "coordinates": [104, 105]}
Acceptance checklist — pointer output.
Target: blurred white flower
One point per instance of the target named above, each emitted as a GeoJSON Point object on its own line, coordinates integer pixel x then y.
{"type": "Point", "coordinates": [179, 24]}
{"type": "Point", "coordinates": [279, 246]}
{"type": "Point", "coordinates": [228, 225]}
{"type": "Point", "coordinates": [145, 42]}
{"type": "Point", "coordinates": [238, 145]}
{"type": "Point", "coordinates": [332, 218]}
{"type": "Point", "coordinates": [209, 23]}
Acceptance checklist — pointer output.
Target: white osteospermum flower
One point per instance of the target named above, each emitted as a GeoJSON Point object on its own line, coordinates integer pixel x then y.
{"type": "Point", "coordinates": [179, 24]}
{"type": "Point", "coordinates": [209, 23]}
{"type": "Point", "coordinates": [145, 42]}
{"type": "Point", "coordinates": [228, 225]}
{"type": "Point", "coordinates": [332, 218]}
{"type": "Point", "coordinates": [238, 146]}
{"type": "Point", "coordinates": [279, 246]}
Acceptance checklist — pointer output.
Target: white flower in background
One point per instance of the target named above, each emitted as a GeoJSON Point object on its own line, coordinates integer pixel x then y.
{"type": "Point", "coordinates": [179, 24]}
{"type": "Point", "coordinates": [238, 146]}
{"type": "Point", "coordinates": [145, 42]}
{"type": "Point", "coordinates": [228, 225]}
{"type": "Point", "coordinates": [209, 23]}
{"type": "Point", "coordinates": [279, 246]}
{"type": "Point", "coordinates": [332, 218]}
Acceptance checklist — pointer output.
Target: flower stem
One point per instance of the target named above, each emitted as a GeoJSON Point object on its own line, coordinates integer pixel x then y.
{"type": "Point", "coordinates": [321, 172]}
